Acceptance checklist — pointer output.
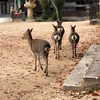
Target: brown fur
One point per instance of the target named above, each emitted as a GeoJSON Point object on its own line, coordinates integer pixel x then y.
{"type": "Point", "coordinates": [56, 37]}
{"type": "Point", "coordinates": [73, 39]}
{"type": "Point", "coordinates": [39, 48]}
{"type": "Point", "coordinates": [62, 30]}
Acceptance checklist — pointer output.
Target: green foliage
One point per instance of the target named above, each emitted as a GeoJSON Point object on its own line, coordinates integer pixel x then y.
{"type": "Point", "coordinates": [59, 4]}
{"type": "Point", "coordinates": [45, 15]}
{"type": "Point", "coordinates": [98, 15]}
{"type": "Point", "coordinates": [54, 16]}
{"type": "Point", "coordinates": [45, 5]}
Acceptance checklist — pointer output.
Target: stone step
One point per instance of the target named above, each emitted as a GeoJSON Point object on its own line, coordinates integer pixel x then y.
{"type": "Point", "coordinates": [75, 80]}
{"type": "Point", "coordinates": [92, 76]}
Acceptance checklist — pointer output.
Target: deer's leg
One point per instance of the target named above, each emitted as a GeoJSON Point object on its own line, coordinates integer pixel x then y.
{"type": "Point", "coordinates": [54, 47]}
{"type": "Point", "coordinates": [46, 68]}
{"type": "Point", "coordinates": [55, 51]}
{"type": "Point", "coordinates": [40, 62]}
{"type": "Point", "coordinates": [72, 51]}
{"type": "Point", "coordinates": [35, 62]}
{"type": "Point", "coordinates": [58, 51]}
{"type": "Point", "coordinates": [60, 46]}
{"type": "Point", "coordinates": [75, 51]}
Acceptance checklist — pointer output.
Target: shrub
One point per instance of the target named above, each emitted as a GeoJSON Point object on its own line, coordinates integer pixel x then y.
{"type": "Point", "coordinates": [98, 15]}
{"type": "Point", "coordinates": [44, 15]}
{"type": "Point", "coordinates": [45, 5]}
{"type": "Point", "coordinates": [59, 4]}
{"type": "Point", "coordinates": [54, 16]}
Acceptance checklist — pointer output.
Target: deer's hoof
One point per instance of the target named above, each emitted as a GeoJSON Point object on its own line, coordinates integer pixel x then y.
{"type": "Point", "coordinates": [73, 56]}
{"type": "Point", "coordinates": [55, 57]}
{"type": "Point", "coordinates": [60, 48]}
{"type": "Point", "coordinates": [41, 68]}
{"type": "Point", "coordinates": [46, 74]}
{"type": "Point", "coordinates": [45, 71]}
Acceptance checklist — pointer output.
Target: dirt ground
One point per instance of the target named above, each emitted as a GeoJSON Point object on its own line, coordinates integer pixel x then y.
{"type": "Point", "coordinates": [19, 81]}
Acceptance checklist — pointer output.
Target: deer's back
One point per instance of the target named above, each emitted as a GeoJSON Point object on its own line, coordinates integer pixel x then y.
{"type": "Point", "coordinates": [38, 45]}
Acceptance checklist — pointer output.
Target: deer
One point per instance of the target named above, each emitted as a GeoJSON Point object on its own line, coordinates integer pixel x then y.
{"type": "Point", "coordinates": [61, 30]}
{"type": "Point", "coordinates": [39, 47]}
{"type": "Point", "coordinates": [73, 39]}
{"type": "Point", "coordinates": [56, 37]}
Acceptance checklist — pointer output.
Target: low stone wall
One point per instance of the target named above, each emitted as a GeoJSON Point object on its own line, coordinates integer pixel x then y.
{"type": "Point", "coordinates": [94, 21]}
{"type": "Point", "coordinates": [75, 18]}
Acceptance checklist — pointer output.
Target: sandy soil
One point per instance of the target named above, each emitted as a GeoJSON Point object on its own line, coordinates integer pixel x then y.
{"type": "Point", "coordinates": [19, 81]}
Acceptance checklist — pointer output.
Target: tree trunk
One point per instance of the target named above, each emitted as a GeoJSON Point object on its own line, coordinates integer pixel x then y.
{"type": "Point", "coordinates": [56, 10]}
{"type": "Point", "coordinates": [99, 5]}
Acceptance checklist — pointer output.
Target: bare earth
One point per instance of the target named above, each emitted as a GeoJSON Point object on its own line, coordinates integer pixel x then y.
{"type": "Point", "coordinates": [19, 81]}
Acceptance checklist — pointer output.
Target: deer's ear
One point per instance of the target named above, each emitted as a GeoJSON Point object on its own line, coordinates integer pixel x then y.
{"type": "Point", "coordinates": [28, 29]}
{"type": "Point", "coordinates": [61, 21]}
{"type": "Point", "coordinates": [71, 26]}
{"type": "Point", "coordinates": [57, 21]}
{"type": "Point", "coordinates": [53, 25]}
{"type": "Point", "coordinates": [31, 30]}
{"type": "Point", "coordinates": [74, 26]}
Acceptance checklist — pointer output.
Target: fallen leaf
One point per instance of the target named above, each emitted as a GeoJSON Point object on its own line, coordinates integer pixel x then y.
{"type": "Point", "coordinates": [94, 99]}
{"type": "Point", "coordinates": [95, 94]}
{"type": "Point", "coordinates": [8, 74]}
{"type": "Point", "coordinates": [98, 92]}
{"type": "Point", "coordinates": [39, 87]}
{"type": "Point", "coordinates": [13, 83]}
{"type": "Point", "coordinates": [87, 64]}
{"type": "Point", "coordinates": [60, 84]}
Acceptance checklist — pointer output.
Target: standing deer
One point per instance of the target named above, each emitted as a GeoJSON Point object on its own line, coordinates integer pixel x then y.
{"type": "Point", "coordinates": [56, 37]}
{"type": "Point", "coordinates": [39, 48]}
{"type": "Point", "coordinates": [73, 39]}
{"type": "Point", "coordinates": [61, 30]}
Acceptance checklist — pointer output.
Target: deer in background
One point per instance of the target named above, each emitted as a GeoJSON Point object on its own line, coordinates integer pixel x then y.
{"type": "Point", "coordinates": [73, 39]}
{"type": "Point", "coordinates": [39, 48]}
{"type": "Point", "coordinates": [61, 30]}
{"type": "Point", "coordinates": [56, 37]}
